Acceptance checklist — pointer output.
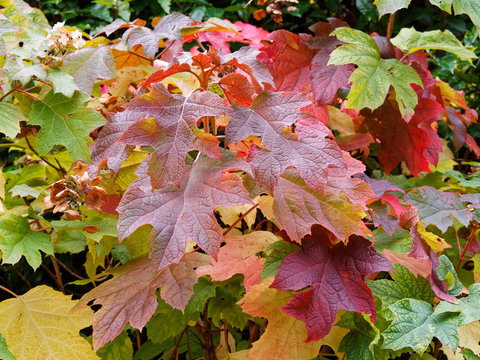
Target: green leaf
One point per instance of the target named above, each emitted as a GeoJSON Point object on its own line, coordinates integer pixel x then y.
{"type": "Point", "coordinates": [17, 70]}
{"type": "Point", "coordinates": [415, 324]}
{"type": "Point", "coordinates": [400, 242]}
{"type": "Point", "coordinates": [469, 354]}
{"type": "Point", "coordinates": [411, 40]}
{"type": "Point", "coordinates": [106, 226]}
{"type": "Point", "coordinates": [390, 6]}
{"type": "Point", "coordinates": [469, 7]}
{"type": "Point", "coordinates": [17, 239]}
{"type": "Point", "coordinates": [445, 5]}
{"type": "Point", "coordinates": [119, 348]}
{"type": "Point", "coordinates": [5, 354]}
{"type": "Point", "coordinates": [358, 343]}
{"type": "Point", "coordinates": [165, 4]}
{"type": "Point", "coordinates": [276, 253]}
{"type": "Point", "coordinates": [11, 116]}
{"type": "Point", "coordinates": [470, 306]}
{"type": "Point", "coordinates": [64, 122]}
{"type": "Point", "coordinates": [374, 75]}
{"type": "Point", "coordinates": [406, 285]}
{"type": "Point", "coordinates": [24, 190]}
{"type": "Point", "coordinates": [62, 82]}
{"type": "Point", "coordinates": [166, 323]}
{"type": "Point", "coordinates": [202, 291]}
{"type": "Point", "coordinates": [224, 304]}
{"type": "Point", "coordinates": [447, 272]}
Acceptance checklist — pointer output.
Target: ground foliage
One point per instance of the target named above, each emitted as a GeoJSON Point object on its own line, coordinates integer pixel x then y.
{"type": "Point", "coordinates": [204, 189]}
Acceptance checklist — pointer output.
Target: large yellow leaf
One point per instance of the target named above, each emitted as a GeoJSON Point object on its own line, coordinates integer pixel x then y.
{"type": "Point", "coordinates": [39, 326]}
{"type": "Point", "coordinates": [284, 337]}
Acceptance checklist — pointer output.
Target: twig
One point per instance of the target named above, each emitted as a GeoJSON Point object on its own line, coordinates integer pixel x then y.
{"type": "Point", "coordinates": [141, 56]}
{"type": "Point", "coordinates": [139, 343]}
{"type": "Point", "coordinates": [391, 20]}
{"type": "Point", "coordinates": [8, 93]}
{"type": "Point", "coordinates": [239, 219]}
{"type": "Point", "coordinates": [8, 290]}
{"type": "Point", "coordinates": [469, 240]}
{"type": "Point", "coordinates": [225, 334]}
{"type": "Point", "coordinates": [69, 271]}
{"type": "Point", "coordinates": [178, 342]}
{"type": "Point", "coordinates": [60, 169]}
{"type": "Point", "coordinates": [58, 274]}
{"type": "Point", "coordinates": [25, 280]}
{"type": "Point", "coordinates": [200, 44]}
{"type": "Point", "coordinates": [188, 344]}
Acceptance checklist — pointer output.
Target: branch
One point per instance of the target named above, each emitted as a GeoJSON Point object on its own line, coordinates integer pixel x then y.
{"type": "Point", "coordinates": [239, 219]}
{"type": "Point", "coordinates": [391, 20]}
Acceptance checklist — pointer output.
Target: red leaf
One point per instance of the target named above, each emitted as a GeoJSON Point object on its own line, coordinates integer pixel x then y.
{"type": "Point", "coordinates": [297, 208]}
{"type": "Point", "coordinates": [237, 89]}
{"type": "Point", "coordinates": [399, 140]}
{"type": "Point", "coordinates": [130, 295]}
{"type": "Point", "coordinates": [107, 147]}
{"type": "Point", "coordinates": [336, 274]}
{"type": "Point", "coordinates": [172, 131]}
{"type": "Point", "coordinates": [308, 149]}
{"type": "Point", "coordinates": [179, 215]}
{"type": "Point", "coordinates": [159, 75]}
{"type": "Point", "coordinates": [288, 58]}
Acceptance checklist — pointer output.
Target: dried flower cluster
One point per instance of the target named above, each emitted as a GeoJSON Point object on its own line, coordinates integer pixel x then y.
{"type": "Point", "coordinates": [60, 39]}
{"type": "Point", "coordinates": [66, 195]}
{"type": "Point", "coordinates": [275, 8]}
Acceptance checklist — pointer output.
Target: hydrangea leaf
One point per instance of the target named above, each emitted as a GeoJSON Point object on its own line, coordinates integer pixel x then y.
{"type": "Point", "coordinates": [63, 121]}
{"type": "Point", "coordinates": [438, 208]}
{"type": "Point", "coordinates": [11, 117]}
{"type": "Point", "coordinates": [17, 239]}
{"type": "Point", "coordinates": [446, 271]}
{"type": "Point", "coordinates": [469, 7]}
{"type": "Point", "coordinates": [390, 6]}
{"type": "Point", "coordinates": [405, 285]}
{"type": "Point", "coordinates": [62, 81]}
{"type": "Point", "coordinates": [309, 149]}
{"type": "Point", "coordinates": [415, 324]}
{"type": "Point", "coordinates": [120, 348]}
{"type": "Point", "coordinates": [411, 40]}
{"type": "Point", "coordinates": [468, 336]}
{"type": "Point", "coordinates": [179, 215]}
{"type": "Point", "coordinates": [469, 305]}
{"type": "Point", "coordinates": [130, 295]}
{"type": "Point", "coordinates": [297, 208]}
{"type": "Point", "coordinates": [39, 325]}
{"type": "Point", "coordinates": [374, 75]}
{"type": "Point", "coordinates": [239, 256]}
{"type": "Point", "coordinates": [336, 275]}
{"type": "Point", "coordinates": [276, 252]}
{"type": "Point", "coordinates": [88, 64]}
{"type": "Point", "coordinates": [168, 125]}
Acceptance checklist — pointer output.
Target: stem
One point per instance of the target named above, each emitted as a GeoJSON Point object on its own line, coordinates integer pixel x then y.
{"type": "Point", "coordinates": [58, 274]}
{"type": "Point", "coordinates": [177, 344]}
{"type": "Point", "coordinates": [239, 219]}
{"type": "Point", "coordinates": [139, 343]}
{"type": "Point", "coordinates": [8, 290]}
{"type": "Point", "coordinates": [8, 93]}
{"type": "Point", "coordinates": [391, 20]}
{"type": "Point", "coordinates": [225, 334]}
{"type": "Point", "coordinates": [27, 93]}
{"type": "Point", "coordinates": [59, 169]}
{"type": "Point", "coordinates": [54, 277]}
{"type": "Point", "coordinates": [69, 271]}
{"type": "Point", "coordinates": [141, 56]}
{"type": "Point", "coordinates": [188, 344]}
{"type": "Point", "coordinates": [200, 44]}
{"type": "Point", "coordinates": [436, 349]}
{"type": "Point", "coordinates": [164, 50]}
{"type": "Point", "coordinates": [469, 240]}
{"type": "Point", "coordinates": [44, 82]}
{"type": "Point", "coordinates": [25, 280]}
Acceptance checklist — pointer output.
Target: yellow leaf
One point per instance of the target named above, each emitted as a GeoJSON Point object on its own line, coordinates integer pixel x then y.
{"type": "Point", "coordinates": [468, 336]}
{"type": "Point", "coordinates": [39, 326]}
{"type": "Point", "coordinates": [435, 242]}
{"type": "Point", "coordinates": [284, 337]}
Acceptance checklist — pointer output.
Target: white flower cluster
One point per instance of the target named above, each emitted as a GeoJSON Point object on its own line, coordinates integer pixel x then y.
{"type": "Point", "coordinates": [60, 39]}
